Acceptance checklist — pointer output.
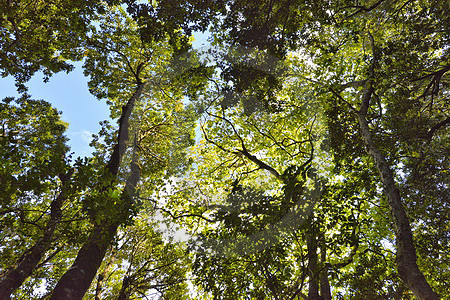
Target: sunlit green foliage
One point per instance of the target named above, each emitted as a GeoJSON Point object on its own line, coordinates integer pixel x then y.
{"type": "Point", "coordinates": [256, 148]}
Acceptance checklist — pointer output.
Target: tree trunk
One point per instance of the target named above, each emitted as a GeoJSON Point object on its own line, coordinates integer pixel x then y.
{"type": "Point", "coordinates": [406, 253]}
{"type": "Point", "coordinates": [76, 281]}
{"type": "Point", "coordinates": [313, 288]}
{"type": "Point", "coordinates": [124, 293]}
{"type": "Point", "coordinates": [28, 262]}
{"type": "Point", "coordinates": [325, 290]}
{"type": "Point", "coordinates": [98, 288]}
{"type": "Point", "coordinates": [122, 138]}
{"type": "Point", "coordinates": [102, 276]}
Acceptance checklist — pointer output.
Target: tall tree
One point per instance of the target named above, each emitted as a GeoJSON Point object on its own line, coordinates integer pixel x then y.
{"type": "Point", "coordinates": [35, 168]}
{"type": "Point", "coordinates": [277, 215]}
{"type": "Point", "coordinates": [303, 91]}
{"type": "Point", "coordinates": [122, 65]}
{"type": "Point", "coordinates": [330, 33]}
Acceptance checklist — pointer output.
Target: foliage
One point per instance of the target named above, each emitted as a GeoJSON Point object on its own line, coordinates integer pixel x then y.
{"type": "Point", "coordinates": [32, 156]}
{"type": "Point", "coordinates": [35, 160]}
{"type": "Point", "coordinates": [142, 262]}
{"type": "Point", "coordinates": [42, 36]}
{"type": "Point", "coordinates": [280, 193]}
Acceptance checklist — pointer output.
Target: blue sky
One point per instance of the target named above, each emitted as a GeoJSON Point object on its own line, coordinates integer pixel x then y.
{"type": "Point", "coordinates": [70, 95]}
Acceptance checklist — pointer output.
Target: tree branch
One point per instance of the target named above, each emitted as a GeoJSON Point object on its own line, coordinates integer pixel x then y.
{"type": "Point", "coordinates": [434, 83]}
{"type": "Point", "coordinates": [246, 153]}
{"type": "Point", "coordinates": [436, 127]}
{"type": "Point", "coordinates": [365, 9]}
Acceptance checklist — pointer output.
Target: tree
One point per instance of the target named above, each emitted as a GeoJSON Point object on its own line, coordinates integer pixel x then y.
{"type": "Point", "coordinates": [122, 65]}
{"type": "Point", "coordinates": [412, 35]}
{"type": "Point", "coordinates": [276, 214]}
{"type": "Point", "coordinates": [325, 133]}
{"type": "Point", "coordinates": [36, 178]}
{"type": "Point", "coordinates": [142, 262]}
{"type": "Point", "coordinates": [42, 36]}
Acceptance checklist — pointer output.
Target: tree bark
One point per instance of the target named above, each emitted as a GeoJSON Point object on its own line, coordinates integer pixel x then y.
{"type": "Point", "coordinates": [76, 281]}
{"type": "Point", "coordinates": [406, 258]}
{"type": "Point", "coordinates": [313, 288]}
{"type": "Point", "coordinates": [122, 138]}
{"type": "Point", "coordinates": [28, 262]}
{"type": "Point", "coordinates": [124, 293]}
{"type": "Point", "coordinates": [325, 290]}
{"type": "Point", "coordinates": [98, 288]}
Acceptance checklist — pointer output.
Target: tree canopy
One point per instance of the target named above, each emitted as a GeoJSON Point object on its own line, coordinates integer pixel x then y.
{"type": "Point", "coordinates": [303, 153]}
